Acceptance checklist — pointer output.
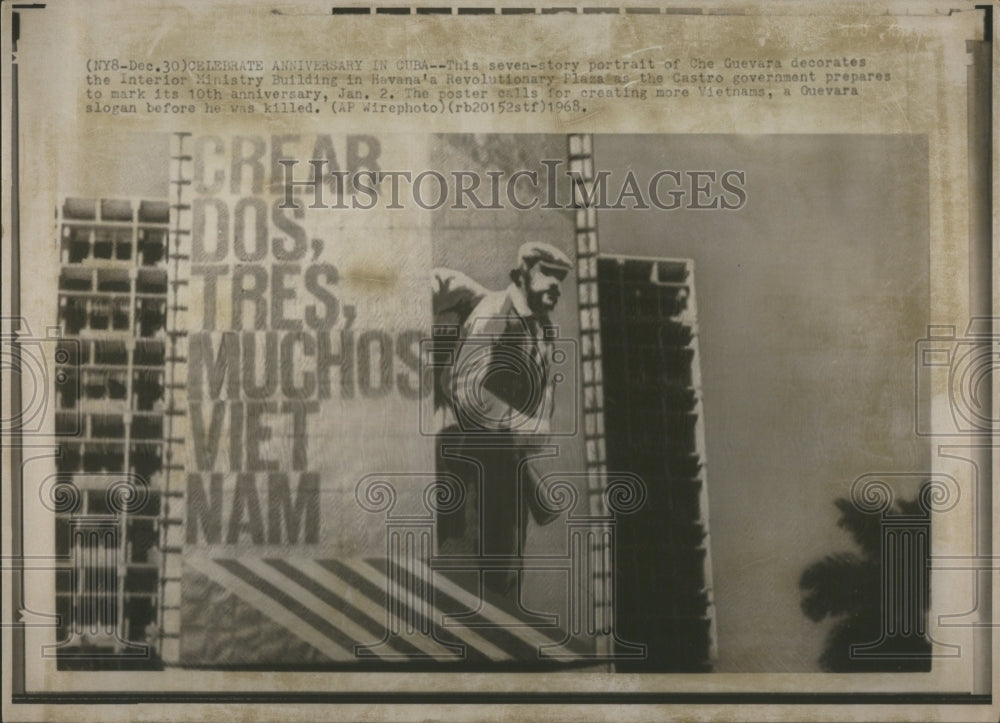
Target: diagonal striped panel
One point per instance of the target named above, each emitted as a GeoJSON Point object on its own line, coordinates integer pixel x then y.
{"type": "Point", "coordinates": [521, 637]}
{"type": "Point", "coordinates": [375, 611]}
{"type": "Point", "coordinates": [226, 576]}
{"type": "Point", "coordinates": [339, 607]}
{"type": "Point", "coordinates": [367, 616]}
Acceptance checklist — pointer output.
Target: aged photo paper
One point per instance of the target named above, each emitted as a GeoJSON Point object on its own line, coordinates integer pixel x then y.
{"type": "Point", "coordinates": [481, 361]}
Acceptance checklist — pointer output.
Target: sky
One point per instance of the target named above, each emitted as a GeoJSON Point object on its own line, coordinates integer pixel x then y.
{"type": "Point", "coordinates": [811, 299]}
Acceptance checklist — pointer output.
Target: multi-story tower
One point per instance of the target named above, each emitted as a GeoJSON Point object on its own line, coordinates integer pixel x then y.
{"type": "Point", "coordinates": [653, 418]}
{"type": "Point", "coordinates": [643, 414]}
{"type": "Point", "coordinates": [113, 310]}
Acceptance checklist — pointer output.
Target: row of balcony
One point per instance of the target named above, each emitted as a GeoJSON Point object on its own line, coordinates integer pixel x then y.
{"type": "Point", "coordinates": [137, 353]}
{"type": "Point", "coordinates": [117, 246]}
{"type": "Point", "coordinates": [114, 210]}
{"type": "Point", "coordinates": [98, 456]}
{"type": "Point", "coordinates": [95, 389]}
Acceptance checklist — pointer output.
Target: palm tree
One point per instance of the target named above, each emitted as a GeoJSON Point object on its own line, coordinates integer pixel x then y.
{"type": "Point", "coordinates": [847, 586]}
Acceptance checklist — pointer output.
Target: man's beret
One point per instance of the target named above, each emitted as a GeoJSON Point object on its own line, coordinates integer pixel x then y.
{"type": "Point", "coordinates": [538, 252]}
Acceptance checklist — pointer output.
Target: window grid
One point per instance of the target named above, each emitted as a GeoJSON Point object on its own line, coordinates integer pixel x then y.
{"type": "Point", "coordinates": [112, 312]}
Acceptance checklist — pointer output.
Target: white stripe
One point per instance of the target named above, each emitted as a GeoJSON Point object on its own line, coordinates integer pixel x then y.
{"type": "Point", "coordinates": [377, 612]}
{"type": "Point", "coordinates": [269, 607]}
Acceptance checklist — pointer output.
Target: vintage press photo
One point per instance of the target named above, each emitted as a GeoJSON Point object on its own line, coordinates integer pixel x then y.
{"type": "Point", "coordinates": [468, 362]}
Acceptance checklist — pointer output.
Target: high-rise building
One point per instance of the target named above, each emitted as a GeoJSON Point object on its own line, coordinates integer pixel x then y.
{"type": "Point", "coordinates": [653, 418]}
{"type": "Point", "coordinates": [643, 415]}
{"type": "Point", "coordinates": [113, 310]}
